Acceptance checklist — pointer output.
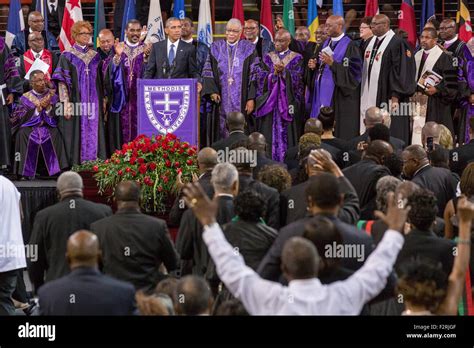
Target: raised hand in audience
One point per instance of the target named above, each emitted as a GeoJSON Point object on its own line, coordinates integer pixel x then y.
{"type": "Point", "coordinates": [203, 208]}
{"type": "Point", "coordinates": [465, 213]}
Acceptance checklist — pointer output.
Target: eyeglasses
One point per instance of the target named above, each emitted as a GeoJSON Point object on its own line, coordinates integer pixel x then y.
{"type": "Point", "coordinates": [446, 28]}
{"type": "Point", "coordinates": [37, 20]}
{"type": "Point", "coordinates": [364, 27]}
{"type": "Point", "coordinates": [374, 24]}
{"type": "Point", "coordinates": [250, 28]}
{"type": "Point", "coordinates": [235, 31]}
{"type": "Point", "coordinates": [88, 33]}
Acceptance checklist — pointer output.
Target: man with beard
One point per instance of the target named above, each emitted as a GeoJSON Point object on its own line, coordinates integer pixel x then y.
{"type": "Point", "coordinates": [439, 97]}
{"type": "Point", "coordinates": [128, 66]}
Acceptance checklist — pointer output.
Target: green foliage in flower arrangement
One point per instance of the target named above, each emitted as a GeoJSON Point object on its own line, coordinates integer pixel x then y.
{"type": "Point", "coordinates": [154, 162]}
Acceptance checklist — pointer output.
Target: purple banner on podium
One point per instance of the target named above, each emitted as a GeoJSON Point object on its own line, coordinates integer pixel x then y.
{"type": "Point", "coordinates": [168, 106]}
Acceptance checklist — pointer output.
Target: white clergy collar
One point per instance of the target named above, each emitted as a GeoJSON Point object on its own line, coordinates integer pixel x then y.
{"type": "Point", "coordinates": [131, 44]}
{"type": "Point", "coordinates": [338, 38]}
{"type": "Point", "coordinates": [83, 47]}
{"type": "Point", "coordinates": [35, 53]}
{"type": "Point", "coordinates": [449, 42]}
{"type": "Point", "coordinates": [255, 41]}
{"type": "Point", "coordinates": [383, 36]}
{"type": "Point", "coordinates": [225, 195]}
{"type": "Point", "coordinates": [232, 44]}
{"type": "Point", "coordinates": [188, 41]}
{"type": "Point", "coordinates": [282, 53]}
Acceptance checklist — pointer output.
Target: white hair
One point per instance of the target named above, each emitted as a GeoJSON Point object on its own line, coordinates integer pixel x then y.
{"type": "Point", "coordinates": [69, 182]}
{"type": "Point", "coordinates": [224, 175]}
{"type": "Point", "coordinates": [234, 22]}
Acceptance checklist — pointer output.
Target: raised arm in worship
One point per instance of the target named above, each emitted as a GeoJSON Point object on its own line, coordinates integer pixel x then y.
{"type": "Point", "coordinates": [465, 214]}
{"type": "Point", "coordinates": [300, 262]}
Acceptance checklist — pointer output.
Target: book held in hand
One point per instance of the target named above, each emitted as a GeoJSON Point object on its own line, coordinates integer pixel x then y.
{"type": "Point", "coordinates": [429, 79]}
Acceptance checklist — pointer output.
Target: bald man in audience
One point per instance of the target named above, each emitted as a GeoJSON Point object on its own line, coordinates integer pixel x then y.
{"type": "Point", "coordinates": [53, 226]}
{"type": "Point", "coordinates": [364, 175]}
{"type": "Point", "coordinates": [373, 116]}
{"type": "Point", "coordinates": [207, 160]}
{"type": "Point", "coordinates": [258, 143]}
{"type": "Point", "coordinates": [442, 182]}
{"type": "Point", "coordinates": [235, 124]}
{"type": "Point", "coordinates": [135, 245]}
{"type": "Point", "coordinates": [86, 291]}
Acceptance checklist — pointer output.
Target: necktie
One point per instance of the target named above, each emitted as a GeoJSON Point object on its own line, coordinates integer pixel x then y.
{"type": "Point", "coordinates": [52, 8]}
{"type": "Point", "coordinates": [171, 54]}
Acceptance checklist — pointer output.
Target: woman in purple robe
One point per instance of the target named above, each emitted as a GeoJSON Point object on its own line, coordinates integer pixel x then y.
{"type": "Point", "coordinates": [79, 79]}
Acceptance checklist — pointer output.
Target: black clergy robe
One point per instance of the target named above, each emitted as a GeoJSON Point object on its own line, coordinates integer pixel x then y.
{"type": "Point", "coordinates": [10, 82]}
{"type": "Point", "coordinates": [234, 82]}
{"type": "Point", "coordinates": [338, 86]}
{"type": "Point", "coordinates": [462, 110]}
{"type": "Point", "coordinates": [391, 75]}
{"type": "Point", "coordinates": [440, 105]}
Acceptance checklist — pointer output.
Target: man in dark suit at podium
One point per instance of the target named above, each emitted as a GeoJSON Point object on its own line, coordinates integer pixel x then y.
{"type": "Point", "coordinates": [172, 58]}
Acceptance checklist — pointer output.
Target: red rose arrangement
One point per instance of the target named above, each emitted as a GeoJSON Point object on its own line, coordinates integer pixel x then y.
{"type": "Point", "coordinates": [154, 162]}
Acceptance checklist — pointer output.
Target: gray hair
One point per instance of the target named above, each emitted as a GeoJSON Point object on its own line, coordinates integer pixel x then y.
{"type": "Point", "coordinates": [234, 22]}
{"type": "Point", "coordinates": [69, 182]}
{"type": "Point", "coordinates": [224, 175]}
{"type": "Point", "coordinates": [171, 19]}
{"type": "Point", "coordinates": [385, 185]}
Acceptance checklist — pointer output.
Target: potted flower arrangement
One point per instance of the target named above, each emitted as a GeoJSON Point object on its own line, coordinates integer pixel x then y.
{"type": "Point", "coordinates": [154, 162]}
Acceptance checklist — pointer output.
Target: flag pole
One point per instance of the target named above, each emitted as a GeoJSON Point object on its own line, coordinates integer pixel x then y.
{"type": "Point", "coordinates": [213, 4]}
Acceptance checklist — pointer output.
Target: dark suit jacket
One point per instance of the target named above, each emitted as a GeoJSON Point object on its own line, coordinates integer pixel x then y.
{"type": "Point", "coordinates": [233, 138]}
{"type": "Point", "coordinates": [184, 63]}
{"type": "Point", "coordinates": [22, 71]}
{"type": "Point", "coordinates": [179, 207]}
{"type": "Point", "coordinates": [94, 294]}
{"type": "Point", "coordinates": [189, 241]}
{"type": "Point", "coordinates": [425, 244]}
{"type": "Point", "coordinates": [51, 230]}
{"type": "Point", "coordinates": [460, 157]}
{"type": "Point", "coordinates": [293, 203]}
{"type": "Point", "coordinates": [133, 247]}
{"type": "Point", "coordinates": [397, 144]}
{"type": "Point", "coordinates": [364, 176]}
{"type": "Point", "coordinates": [270, 266]}
{"type": "Point", "coordinates": [440, 181]}
{"type": "Point", "coordinates": [269, 194]}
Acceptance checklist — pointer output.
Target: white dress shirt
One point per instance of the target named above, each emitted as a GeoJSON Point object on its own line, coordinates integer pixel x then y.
{"type": "Point", "coordinates": [12, 249]}
{"type": "Point", "coordinates": [302, 297]}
